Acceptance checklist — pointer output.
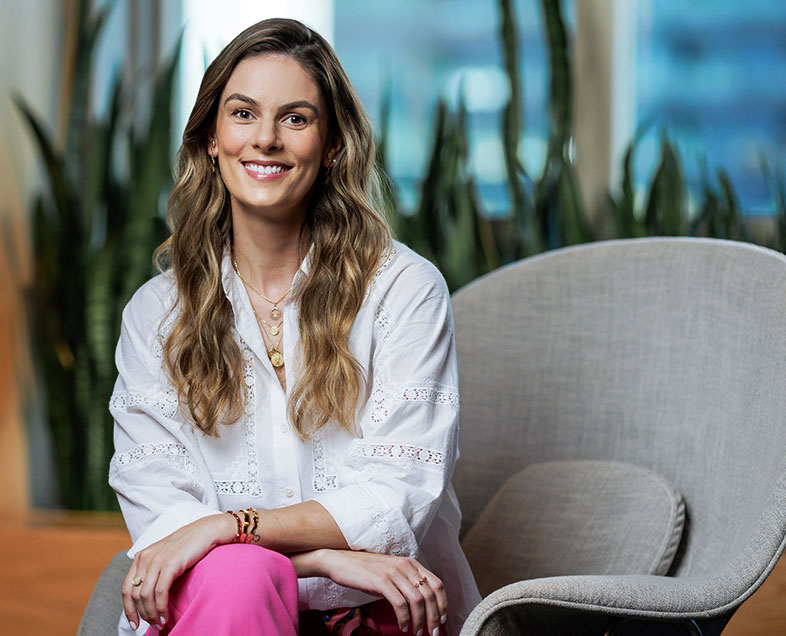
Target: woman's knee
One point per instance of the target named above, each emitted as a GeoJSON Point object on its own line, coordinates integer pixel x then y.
{"type": "Point", "coordinates": [244, 567]}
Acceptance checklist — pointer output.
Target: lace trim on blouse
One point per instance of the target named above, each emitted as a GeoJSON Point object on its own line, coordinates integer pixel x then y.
{"type": "Point", "coordinates": [165, 402]}
{"type": "Point", "coordinates": [397, 451]}
{"type": "Point", "coordinates": [322, 480]}
{"type": "Point", "coordinates": [425, 391]}
{"type": "Point", "coordinates": [177, 454]}
{"type": "Point", "coordinates": [252, 485]}
{"type": "Point", "coordinates": [389, 543]}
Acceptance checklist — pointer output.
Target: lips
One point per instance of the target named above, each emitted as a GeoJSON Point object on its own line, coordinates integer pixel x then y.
{"type": "Point", "coordinates": [266, 170]}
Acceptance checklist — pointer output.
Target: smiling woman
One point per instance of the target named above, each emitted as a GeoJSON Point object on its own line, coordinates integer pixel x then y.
{"type": "Point", "coordinates": [269, 128]}
{"type": "Point", "coordinates": [295, 366]}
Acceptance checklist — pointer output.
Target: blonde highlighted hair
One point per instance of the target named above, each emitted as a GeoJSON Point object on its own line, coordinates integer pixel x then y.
{"type": "Point", "coordinates": [349, 237]}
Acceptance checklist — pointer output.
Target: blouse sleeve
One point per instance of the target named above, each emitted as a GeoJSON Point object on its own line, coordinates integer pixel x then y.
{"type": "Point", "coordinates": [153, 471]}
{"type": "Point", "coordinates": [398, 470]}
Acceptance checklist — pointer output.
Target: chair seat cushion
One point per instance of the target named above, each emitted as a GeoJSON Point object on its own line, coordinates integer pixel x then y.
{"type": "Point", "coordinates": [576, 517]}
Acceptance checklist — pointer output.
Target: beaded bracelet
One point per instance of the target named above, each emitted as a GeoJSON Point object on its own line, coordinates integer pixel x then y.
{"type": "Point", "coordinates": [239, 525]}
{"type": "Point", "coordinates": [246, 528]}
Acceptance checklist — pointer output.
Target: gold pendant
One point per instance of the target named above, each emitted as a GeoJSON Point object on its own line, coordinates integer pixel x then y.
{"type": "Point", "coordinates": [274, 330]}
{"type": "Point", "coordinates": [276, 359]}
{"type": "Point", "coordinates": [275, 313]}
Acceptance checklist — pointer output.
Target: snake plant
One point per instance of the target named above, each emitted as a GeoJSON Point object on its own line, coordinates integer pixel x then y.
{"type": "Point", "coordinates": [94, 228]}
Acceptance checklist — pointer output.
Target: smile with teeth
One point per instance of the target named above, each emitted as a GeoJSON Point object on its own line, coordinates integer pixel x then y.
{"type": "Point", "coordinates": [265, 170]}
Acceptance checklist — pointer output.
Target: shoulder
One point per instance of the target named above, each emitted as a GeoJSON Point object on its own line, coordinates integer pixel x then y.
{"type": "Point", "coordinates": [405, 275]}
{"type": "Point", "coordinates": [151, 304]}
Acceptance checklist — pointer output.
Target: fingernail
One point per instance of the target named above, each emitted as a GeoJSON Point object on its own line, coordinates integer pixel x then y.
{"type": "Point", "coordinates": [158, 627]}
{"type": "Point", "coordinates": [435, 632]}
{"type": "Point", "coordinates": [420, 632]}
{"type": "Point", "coordinates": [163, 621]}
{"type": "Point", "coordinates": [443, 619]}
{"type": "Point", "coordinates": [405, 628]}
{"type": "Point", "coordinates": [133, 625]}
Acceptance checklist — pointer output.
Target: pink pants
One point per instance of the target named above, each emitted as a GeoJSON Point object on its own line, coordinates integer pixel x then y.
{"type": "Point", "coordinates": [244, 589]}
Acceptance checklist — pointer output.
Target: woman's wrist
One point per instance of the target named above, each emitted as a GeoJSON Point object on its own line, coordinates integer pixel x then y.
{"type": "Point", "coordinates": [311, 563]}
{"type": "Point", "coordinates": [226, 528]}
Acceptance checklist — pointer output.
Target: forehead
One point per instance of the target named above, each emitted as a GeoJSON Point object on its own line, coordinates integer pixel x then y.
{"type": "Point", "coordinates": [272, 79]}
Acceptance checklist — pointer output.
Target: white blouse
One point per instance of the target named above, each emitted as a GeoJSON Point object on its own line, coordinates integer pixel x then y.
{"type": "Point", "coordinates": [388, 487]}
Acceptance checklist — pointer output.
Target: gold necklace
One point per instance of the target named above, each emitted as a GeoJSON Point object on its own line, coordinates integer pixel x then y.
{"type": "Point", "coordinates": [275, 312]}
{"type": "Point", "coordinates": [274, 354]}
{"type": "Point", "coordinates": [274, 329]}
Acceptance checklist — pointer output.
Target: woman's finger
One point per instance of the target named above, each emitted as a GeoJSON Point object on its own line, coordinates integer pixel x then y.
{"type": "Point", "coordinates": [146, 600]}
{"type": "Point", "coordinates": [129, 606]}
{"type": "Point", "coordinates": [164, 584]}
{"type": "Point", "coordinates": [441, 596]}
{"type": "Point", "coordinates": [406, 584]}
{"type": "Point", "coordinates": [426, 586]}
{"type": "Point", "coordinates": [399, 604]}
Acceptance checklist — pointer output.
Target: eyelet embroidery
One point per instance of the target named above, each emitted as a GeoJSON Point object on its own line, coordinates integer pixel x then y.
{"type": "Point", "coordinates": [175, 453]}
{"type": "Point", "coordinates": [251, 486]}
{"type": "Point", "coordinates": [389, 543]}
{"type": "Point", "coordinates": [165, 402]}
{"type": "Point", "coordinates": [383, 267]}
{"type": "Point", "coordinates": [380, 410]}
{"type": "Point", "coordinates": [397, 451]}
{"type": "Point", "coordinates": [382, 322]}
{"type": "Point", "coordinates": [322, 481]}
{"type": "Point", "coordinates": [429, 394]}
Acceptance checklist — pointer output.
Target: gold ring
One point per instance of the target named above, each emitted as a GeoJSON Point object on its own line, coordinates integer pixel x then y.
{"type": "Point", "coordinates": [137, 580]}
{"type": "Point", "coordinates": [421, 582]}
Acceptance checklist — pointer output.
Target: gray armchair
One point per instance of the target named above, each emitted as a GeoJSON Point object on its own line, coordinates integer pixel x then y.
{"type": "Point", "coordinates": [602, 385]}
{"type": "Point", "coordinates": [666, 355]}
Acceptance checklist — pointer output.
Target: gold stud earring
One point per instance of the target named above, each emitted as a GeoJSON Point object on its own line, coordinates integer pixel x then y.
{"type": "Point", "coordinates": [331, 161]}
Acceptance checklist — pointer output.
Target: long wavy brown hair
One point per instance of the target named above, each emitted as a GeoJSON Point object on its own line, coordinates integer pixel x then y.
{"type": "Point", "coordinates": [349, 236]}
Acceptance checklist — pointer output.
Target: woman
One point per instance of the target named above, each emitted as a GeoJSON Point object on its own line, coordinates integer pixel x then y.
{"type": "Point", "coordinates": [295, 367]}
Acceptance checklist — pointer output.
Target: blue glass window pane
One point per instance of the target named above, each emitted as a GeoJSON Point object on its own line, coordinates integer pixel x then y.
{"type": "Point", "coordinates": [424, 50]}
{"type": "Point", "coordinates": [713, 73]}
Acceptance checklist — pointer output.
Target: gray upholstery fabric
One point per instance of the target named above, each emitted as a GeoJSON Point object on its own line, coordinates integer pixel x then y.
{"type": "Point", "coordinates": [105, 606]}
{"type": "Point", "coordinates": [576, 517]}
{"type": "Point", "coordinates": [665, 353]}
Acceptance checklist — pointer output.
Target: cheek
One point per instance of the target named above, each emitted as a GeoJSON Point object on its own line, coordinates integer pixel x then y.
{"type": "Point", "coordinates": [311, 150]}
{"type": "Point", "coordinates": [231, 139]}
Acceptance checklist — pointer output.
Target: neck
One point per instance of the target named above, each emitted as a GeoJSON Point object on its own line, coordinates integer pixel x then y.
{"type": "Point", "coordinates": [267, 253]}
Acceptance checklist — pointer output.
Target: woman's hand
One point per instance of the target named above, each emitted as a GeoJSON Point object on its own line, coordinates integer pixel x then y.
{"type": "Point", "coordinates": [158, 565]}
{"type": "Point", "coordinates": [416, 594]}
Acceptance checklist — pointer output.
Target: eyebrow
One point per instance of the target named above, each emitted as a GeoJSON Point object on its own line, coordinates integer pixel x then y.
{"type": "Point", "coordinates": [300, 104]}
{"type": "Point", "coordinates": [291, 105]}
{"type": "Point", "coordinates": [241, 98]}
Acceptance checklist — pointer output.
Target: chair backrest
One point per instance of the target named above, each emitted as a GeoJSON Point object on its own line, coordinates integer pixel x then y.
{"type": "Point", "coordinates": [666, 353]}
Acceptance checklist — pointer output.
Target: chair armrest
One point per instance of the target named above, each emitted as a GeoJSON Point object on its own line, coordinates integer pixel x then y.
{"type": "Point", "coordinates": [586, 604]}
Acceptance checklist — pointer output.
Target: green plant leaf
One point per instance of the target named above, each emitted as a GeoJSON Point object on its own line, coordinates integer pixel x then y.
{"type": "Point", "coordinates": [665, 210]}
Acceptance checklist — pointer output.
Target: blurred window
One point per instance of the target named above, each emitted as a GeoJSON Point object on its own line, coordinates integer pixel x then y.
{"type": "Point", "coordinates": [713, 73]}
{"type": "Point", "coordinates": [423, 50]}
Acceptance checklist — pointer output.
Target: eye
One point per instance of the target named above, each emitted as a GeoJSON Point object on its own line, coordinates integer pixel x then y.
{"type": "Point", "coordinates": [241, 113]}
{"type": "Point", "coordinates": [295, 120]}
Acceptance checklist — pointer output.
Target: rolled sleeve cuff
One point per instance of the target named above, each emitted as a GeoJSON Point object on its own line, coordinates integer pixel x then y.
{"type": "Point", "coordinates": [167, 522]}
{"type": "Point", "coordinates": [366, 523]}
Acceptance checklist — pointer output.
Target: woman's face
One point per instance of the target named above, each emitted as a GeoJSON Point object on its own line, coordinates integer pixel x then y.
{"type": "Point", "coordinates": [271, 137]}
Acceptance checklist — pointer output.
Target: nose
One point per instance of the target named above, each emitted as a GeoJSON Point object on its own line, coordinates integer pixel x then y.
{"type": "Point", "coordinates": [267, 137]}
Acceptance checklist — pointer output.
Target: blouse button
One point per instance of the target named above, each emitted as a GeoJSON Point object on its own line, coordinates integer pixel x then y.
{"type": "Point", "coordinates": [289, 493]}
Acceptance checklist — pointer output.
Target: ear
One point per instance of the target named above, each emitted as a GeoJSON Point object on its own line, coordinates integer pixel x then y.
{"type": "Point", "coordinates": [212, 149]}
{"type": "Point", "coordinates": [332, 150]}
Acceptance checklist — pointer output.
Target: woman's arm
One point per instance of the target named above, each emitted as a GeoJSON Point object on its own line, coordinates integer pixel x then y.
{"type": "Point", "coordinates": [298, 528]}
{"type": "Point", "coordinates": [396, 579]}
{"type": "Point", "coordinates": [416, 594]}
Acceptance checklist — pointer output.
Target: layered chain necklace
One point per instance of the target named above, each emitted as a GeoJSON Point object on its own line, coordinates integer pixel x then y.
{"type": "Point", "coordinates": [274, 352]}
